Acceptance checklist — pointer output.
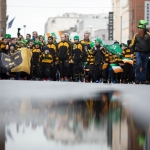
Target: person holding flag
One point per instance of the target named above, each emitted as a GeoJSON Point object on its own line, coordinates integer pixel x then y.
{"type": "Point", "coordinates": [128, 64]}
{"type": "Point", "coordinates": [98, 53]}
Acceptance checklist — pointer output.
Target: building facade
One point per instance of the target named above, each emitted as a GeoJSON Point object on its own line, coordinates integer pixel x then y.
{"type": "Point", "coordinates": [117, 19]}
{"type": "Point", "coordinates": [127, 14]}
{"type": "Point", "coordinates": [139, 9]}
{"type": "Point", "coordinates": [2, 18]}
{"type": "Point", "coordinates": [79, 23]}
{"type": "Point", "coordinates": [97, 25]}
{"type": "Point", "coordinates": [65, 23]}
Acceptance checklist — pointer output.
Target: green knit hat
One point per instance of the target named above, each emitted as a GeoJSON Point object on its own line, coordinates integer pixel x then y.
{"type": "Point", "coordinates": [92, 44]}
{"type": "Point", "coordinates": [142, 24]}
{"type": "Point", "coordinates": [24, 42]}
{"type": "Point", "coordinates": [7, 35]}
{"type": "Point", "coordinates": [99, 40]}
{"type": "Point", "coordinates": [37, 43]}
{"type": "Point", "coordinates": [76, 37]}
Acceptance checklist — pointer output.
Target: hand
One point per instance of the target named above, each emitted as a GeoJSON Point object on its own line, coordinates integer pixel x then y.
{"type": "Point", "coordinates": [95, 48]}
{"type": "Point", "coordinates": [7, 47]}
{"type": "Point", "coordinates": [101, 48]}
{"type": "Point", "coordinates": [86, 49]}
{"type": "Point", "coordinates": [132, 56]}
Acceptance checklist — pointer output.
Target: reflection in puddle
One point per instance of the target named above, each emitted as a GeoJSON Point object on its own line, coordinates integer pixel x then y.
{"type": "Point", "coordinates": [98, 122]}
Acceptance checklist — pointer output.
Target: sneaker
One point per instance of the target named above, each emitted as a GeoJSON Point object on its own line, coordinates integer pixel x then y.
{"type": "Point", "coordinates": [50, 79]}
{"type": "Point", "coordinates": [86, 81]}
{"type": "Point", "coordinates": [76, 80]}
{"type": "Point", "coordinates": [37, 79]}
{"type": "Point", "coordinates": [137, 82]}
{"type": "Point", "coordinates": [147, 82]}
{"type": "Point", "coordinates": [125, 82]}
{"type": "Point", "coordinates": [66, 79]}
{"type": "Point", "coordinates": [97, 81]}
{"type": "Point", "coordinates": [114, 81]}
{"type": "Point", "coordinates": [12, 78]}
{"type": "Point", "coordinates": [62, 79]}
{"type": "Point", "coordinates": [100, 81]}
{"type": "Point", "coordinates": [104, 81]}
{"type": "Point", "coordinates": [130, 82]}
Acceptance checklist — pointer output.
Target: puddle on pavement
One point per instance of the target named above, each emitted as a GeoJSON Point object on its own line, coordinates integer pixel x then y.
{"type": "Point", "coordinates": [99, 122]}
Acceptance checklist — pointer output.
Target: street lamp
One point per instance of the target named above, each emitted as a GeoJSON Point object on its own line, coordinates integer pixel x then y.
{"type": "Point", "coordinates": [24, 30]}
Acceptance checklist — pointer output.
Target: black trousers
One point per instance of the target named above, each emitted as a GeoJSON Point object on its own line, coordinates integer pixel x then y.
{"type": "Point", "coordinates": [148, 71]}
{"type": "Point", "coordinates": [70, 70]}
{"type": "Point", "coordinates": [56, 72]}
{"type": "Point", "coordinates": [91, 73]}
{"type": "Point", "coordinates": [128, 72]}
{"type": "Point", "coordinates": [97, 71]}
{"type": "Point", "coordinates": [77, 69]}
{"type": "Point", "coordinates": [105, 74]}
{"type": "Point", "coordinates": [46, 69]}
{"type": "Point", "coordinates": [63, 68]}
{"type": "Point", "coordinates": [36, 72]}
{"type": "Point", "coordinates": [116, 76]}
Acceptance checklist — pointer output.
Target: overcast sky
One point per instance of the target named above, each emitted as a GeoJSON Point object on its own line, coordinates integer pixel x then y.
{"type": "Point", "coordinates": [34, 13]}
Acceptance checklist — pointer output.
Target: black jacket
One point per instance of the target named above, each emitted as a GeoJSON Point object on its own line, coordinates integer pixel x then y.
{"type": "Point", "coordinates": [63, 50]}
{"type": "Point", "coordinates": [77, 51]}
{"type": "Point", "coordinates": [140, 44]}
{"type": "Point", "coordinates": [98, 55]}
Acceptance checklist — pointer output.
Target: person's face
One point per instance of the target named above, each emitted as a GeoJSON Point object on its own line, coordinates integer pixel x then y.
{"type": "Point", "coordinates": [66, 37]}
{"type": "Point", "coordinates": [96, 43]}
{"type": "Point", "coordinates": [123, 47]}
{"type": "Point", "coordinates": [34, 34]}
{"type": "Point", "coordinates": [12, 48]}
{"type": "Point", "coordinates": [50, 40]}
{"type": "Point", "coordinates": [14, 41]}
{"type": "Point", "coordinates": [63, 38]}
{"type": "Point", "coordinates": [27, 37]}
{"type": "Point", "coordinates": [5, 41]}
{"type": "Point", "coordinates": [141, 31]}
{"type": "Point", "coordinates": [41, 39]}
{"type": "Point", "coordinates": [76, 41]}
{"type": "Point", "coordinates": [37, 46]}
{"type": "Point", "coordinates": [86, 36]}
{"type": "Point", "coordinates": [30, 44]}
{"type": "Point", "coordinates": [8, 39]}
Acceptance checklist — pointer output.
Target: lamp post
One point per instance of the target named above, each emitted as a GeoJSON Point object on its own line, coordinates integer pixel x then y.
{"type": "Point", "coordinates": [24, 30]}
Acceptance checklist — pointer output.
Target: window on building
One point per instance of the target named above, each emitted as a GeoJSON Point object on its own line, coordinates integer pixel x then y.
{"type": "Point", "coordinates": [93, 16]}
{"type": "Point", "coordinates": [132, 16]}
{"type": "Point", "coordinates": [81, 25]}
{"type": "Point", "coordinates": [103, 36]}
{"type": "Point", "coordinates": [96, 16]}
{"type": "Point", "coordinates": [53, 21]}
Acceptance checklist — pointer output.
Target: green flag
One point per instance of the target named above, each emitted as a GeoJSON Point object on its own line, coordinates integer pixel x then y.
{"type": "Point", "coordinates": [115, 49]}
